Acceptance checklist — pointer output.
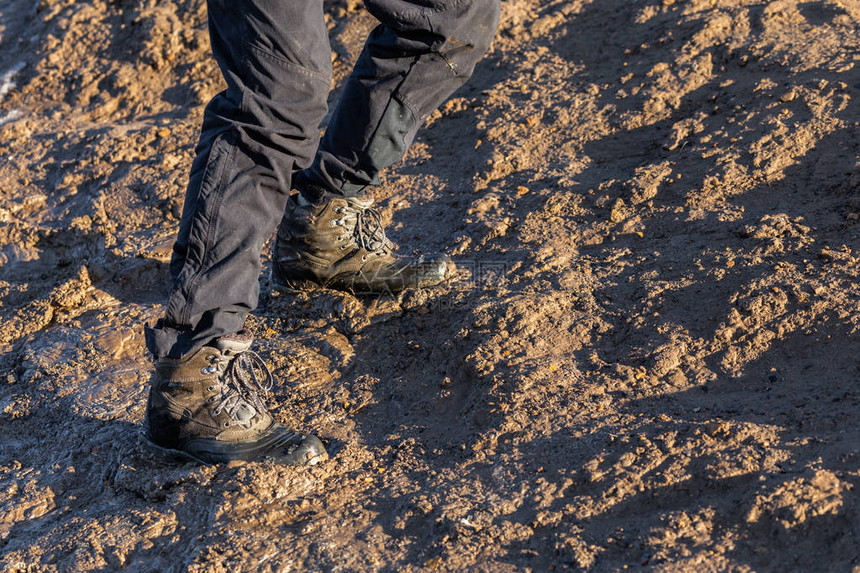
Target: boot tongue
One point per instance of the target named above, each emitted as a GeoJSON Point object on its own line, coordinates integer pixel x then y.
{"type": "Point", "coordinates": [232, 344]}
{"type": "Point", "coordinates": [369, 230]}
{"type": "Point", "coordinates": [361, 202]}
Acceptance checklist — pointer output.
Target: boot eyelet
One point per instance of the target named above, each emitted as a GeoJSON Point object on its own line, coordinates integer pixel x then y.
{"type": "Point", "coordinates": [226, 424]}
{"type": "Point", "coordinates": [333, 223]}
{"type": "Point", "coordinates": [339, 239]}
{"type": "Point", "coordinates": [210, 388]}
{"type": "Point", "coordinates": [363, 258]}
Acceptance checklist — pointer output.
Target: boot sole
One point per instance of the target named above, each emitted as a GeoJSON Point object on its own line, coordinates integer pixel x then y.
{"type": "Point", "coordinates": [172, 455]}
{"type": "Point", "coordinates": [306, 285]}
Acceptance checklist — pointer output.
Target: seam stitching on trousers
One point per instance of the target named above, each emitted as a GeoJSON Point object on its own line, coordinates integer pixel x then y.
{"type": "Point", "coordinates": [301, 69]}
{"type": "Point", "coordinates": [185, 273]}
{"type": "Point", "coordinates": [218, 196]}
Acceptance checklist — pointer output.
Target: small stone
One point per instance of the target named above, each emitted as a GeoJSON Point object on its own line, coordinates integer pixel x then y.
{"type": "Point", "coordinates": [716, 429]}
{"type": "Point", "coordinates": [787, 97]}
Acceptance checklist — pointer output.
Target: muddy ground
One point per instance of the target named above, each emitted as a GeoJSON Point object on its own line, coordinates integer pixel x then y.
{"type": "Point", "coordinates": [649, 358]}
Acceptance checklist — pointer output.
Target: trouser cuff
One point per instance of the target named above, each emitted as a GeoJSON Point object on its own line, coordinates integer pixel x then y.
{"type": "Point", "coordinates": [165, 342]}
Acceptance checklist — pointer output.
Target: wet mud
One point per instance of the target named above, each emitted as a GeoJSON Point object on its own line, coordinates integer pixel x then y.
{"type": "Point", "coordinates": [649, 357]}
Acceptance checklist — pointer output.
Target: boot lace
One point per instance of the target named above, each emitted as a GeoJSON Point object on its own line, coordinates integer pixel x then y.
{"type": "Point", "coordinates": [369, 233]}
{"type": "Point", "coordinates": [244, 377]}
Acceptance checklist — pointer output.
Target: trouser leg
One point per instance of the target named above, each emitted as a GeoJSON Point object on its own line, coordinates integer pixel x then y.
{"type": "Point", "coordinates": [275, 58]}
{"type": "Point", "coordinates": [420, 54]}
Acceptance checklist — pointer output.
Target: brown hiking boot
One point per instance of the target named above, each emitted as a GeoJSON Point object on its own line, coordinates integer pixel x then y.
{"type": "Point", "coordinates": [206, 406]}
{"type": "Point", "coordinates": [339, 243]}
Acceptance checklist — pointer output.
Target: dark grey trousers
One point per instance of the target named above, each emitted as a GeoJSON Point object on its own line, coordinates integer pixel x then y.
{"type": "Point", "coordinates": [276, 59]}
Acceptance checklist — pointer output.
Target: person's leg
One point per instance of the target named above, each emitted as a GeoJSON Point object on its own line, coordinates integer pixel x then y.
{"type": "Point", "coordinates": [422, 51]}
{"type": "Point", "coordinates": [204, 400]}
{"type": "Point", "coordinates": [419, 55]}
{"type": "Point", "coordinates": [276, 59]}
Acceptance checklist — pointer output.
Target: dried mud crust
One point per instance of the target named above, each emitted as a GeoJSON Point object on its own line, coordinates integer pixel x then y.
{"type": "Point", "coordinates": [649, 357]}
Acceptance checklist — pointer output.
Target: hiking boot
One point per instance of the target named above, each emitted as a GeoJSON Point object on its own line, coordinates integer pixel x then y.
{"type": "Point", "coordinates": [206, 406]}
{"type": "Point", "coordinates": [340, 243]}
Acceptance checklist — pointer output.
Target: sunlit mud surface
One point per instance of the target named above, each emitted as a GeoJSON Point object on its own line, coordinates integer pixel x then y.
{"type": "Point", "coordinates": [649, 358]}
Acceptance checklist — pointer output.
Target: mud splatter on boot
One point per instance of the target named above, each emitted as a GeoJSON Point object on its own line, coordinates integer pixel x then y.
{"type": "Point", "coordinates": [340, 243]}
{"type": "Point", "coordinates": [207, 406]}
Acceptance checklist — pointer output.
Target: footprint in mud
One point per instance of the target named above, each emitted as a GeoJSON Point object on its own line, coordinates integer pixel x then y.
{"type": "Point", "coordinates": [57, 305]}
{"type": "Point", "coordinates": [55, 276]}
{"type": "Point", "coordinates": [297, 311]}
